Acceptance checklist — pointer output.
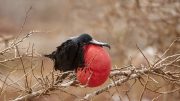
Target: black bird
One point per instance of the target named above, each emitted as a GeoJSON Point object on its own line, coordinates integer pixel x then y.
{"type": "Point", "coordinates": [70, 55]}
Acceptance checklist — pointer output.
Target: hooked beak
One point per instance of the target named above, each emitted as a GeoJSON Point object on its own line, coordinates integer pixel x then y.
{"type": "Point", "coordinates": [100, 43]}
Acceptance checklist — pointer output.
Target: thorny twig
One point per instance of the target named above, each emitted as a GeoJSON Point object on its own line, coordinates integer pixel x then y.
{"type": "Point", "coordinates": [26, 77]}
{"type": "Point", "coordinates": [17, 43]}
{"type": "Point", "coordinates": [24, 22]}
{"type": "Point", "coordinates": [122, 75]}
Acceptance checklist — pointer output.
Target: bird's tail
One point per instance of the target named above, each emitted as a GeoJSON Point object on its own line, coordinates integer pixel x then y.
{"type": "Point", "coordinates": [51, 56]}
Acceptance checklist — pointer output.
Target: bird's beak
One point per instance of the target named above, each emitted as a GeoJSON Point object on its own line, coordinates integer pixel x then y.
{"type": "Point", "coordinates": [100, 43]}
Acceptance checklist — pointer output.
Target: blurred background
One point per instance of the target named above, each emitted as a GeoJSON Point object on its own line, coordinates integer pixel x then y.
{"type": "Point", "coordinates": [150, 24]}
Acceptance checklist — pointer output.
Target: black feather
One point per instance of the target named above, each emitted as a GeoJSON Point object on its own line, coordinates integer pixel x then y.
{"type": "Point", "coordinates": [70, 54]}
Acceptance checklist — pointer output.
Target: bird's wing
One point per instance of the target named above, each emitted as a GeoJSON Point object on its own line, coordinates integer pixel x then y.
{"type": "Point", "coordinates": [67, 56]}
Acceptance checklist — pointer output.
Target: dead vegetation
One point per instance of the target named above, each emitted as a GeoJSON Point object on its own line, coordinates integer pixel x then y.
{"type": "Point", "coordinates": [30, 85]}
{"type": "Point", "coordinates": [131, 27]}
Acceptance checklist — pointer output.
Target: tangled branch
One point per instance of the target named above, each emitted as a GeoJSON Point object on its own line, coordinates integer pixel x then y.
{"type": "Point", "coordinates": [161, 67]}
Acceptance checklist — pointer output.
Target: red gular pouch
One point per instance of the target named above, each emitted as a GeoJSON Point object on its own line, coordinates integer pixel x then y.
{"type": "Point", "coordinates": [97, 66]}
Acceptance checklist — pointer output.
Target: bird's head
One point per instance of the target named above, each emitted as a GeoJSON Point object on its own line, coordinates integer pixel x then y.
{"type": "Point", "coordinates": [87, 39]}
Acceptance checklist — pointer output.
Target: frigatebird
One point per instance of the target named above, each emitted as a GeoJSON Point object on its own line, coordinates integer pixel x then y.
{"type": "Point", "coordinates": [70, 54]}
